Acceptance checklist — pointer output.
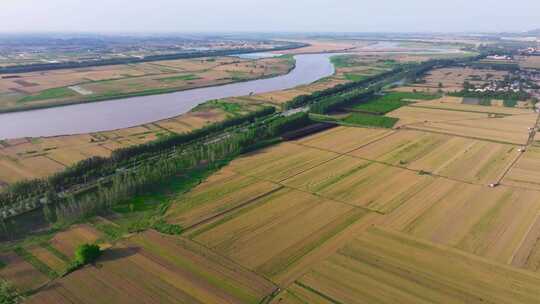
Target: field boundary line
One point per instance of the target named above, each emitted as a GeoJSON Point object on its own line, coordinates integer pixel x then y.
{"type": "Point", "coordinates": [393, 132]}
{"type": "Point", "coordinates": [155, 124]}
{"type": "Point", "coordinates": [390, 165]}
{"type": "Point", "coordinates": [106, 148]}
{"type": "Point", "coordinates": [510, 167]}
{"type": "Point", "coordinates": [466, 111]}
{"type": "Point", "coordinates": [512, 257]}
{"type": "Point", "coordinates": [339, 154]}
{"type": "Point", "coordinates": [463, 136]}
{"type": "Point", "coordinates": [313, 193]}
{"type": "Point", "coordinates": [250, 201]}
{"type": "Point", "coordinates": [314, 166]}
{"type": "Point", "coordinates": [530, 142]}
{"type": "Point", "coordinates": [223, 256]}
{"type": "Point", "coordinates": [315, 291]}
{"type": "Point", "coordinates": [448, 121]}
{"type": "Point", "coordinates": [56, 161]}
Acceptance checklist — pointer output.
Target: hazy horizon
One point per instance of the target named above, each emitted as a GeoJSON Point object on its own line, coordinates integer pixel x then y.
{"type": "Point", "coordinates": [207, 16]}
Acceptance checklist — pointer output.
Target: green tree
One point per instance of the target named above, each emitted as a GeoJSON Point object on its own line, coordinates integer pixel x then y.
{"type": "Point", "coordinates": [87, 253]}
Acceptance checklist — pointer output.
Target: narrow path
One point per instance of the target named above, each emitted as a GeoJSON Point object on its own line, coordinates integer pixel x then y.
{"type": "Point", "coordinates": [530, 142]}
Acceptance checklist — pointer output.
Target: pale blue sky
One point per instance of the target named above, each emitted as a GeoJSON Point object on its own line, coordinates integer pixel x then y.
{"type": "Point", "coordinates": [269, 15]}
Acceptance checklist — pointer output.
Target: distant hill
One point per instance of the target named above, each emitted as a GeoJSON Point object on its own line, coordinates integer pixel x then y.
{"type": "Point", "coordinates": [535, 32]}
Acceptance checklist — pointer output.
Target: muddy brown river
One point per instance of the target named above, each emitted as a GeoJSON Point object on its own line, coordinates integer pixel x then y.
{"type": "Point", "coordinates": [133, 111]}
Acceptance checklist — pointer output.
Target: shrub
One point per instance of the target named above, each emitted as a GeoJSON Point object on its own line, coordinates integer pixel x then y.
{"type": "Point", "coordinates": [166, 228]}
{"type": "Point", "coordinates": [86, 254]}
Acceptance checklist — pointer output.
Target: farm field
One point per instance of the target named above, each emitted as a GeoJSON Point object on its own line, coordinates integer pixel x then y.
{"type": "Point", "coordinates": [20, 273]}
{"type": "Point", "coordinates": [454, 157]}
{"type": "Point", "coordinates": [503, 128]}
{"type": "Point", "coordinates": [457, 104]}
{"type": "Point", "coordinates": [415, 115]}
{"type": "Point", "coordinates": [383, 266]}
{"type": "Point", "coordinates": [489, 223]}
{"type": "Point", "coordinates": [67, 241]}
{"type": "Point", "coordinates": [259, 237]}
{"type": "Point", "coordinates": [56, 87]}
{"type": "Point", "coordinates": [323, 215]}
{"type": "Point", "coordinates": [360, 183]}
{"type": "Point", "coordinates": [511, 129]}
{"type": "Point", "coordinates": [223, 191]}
{"type": "Point", "coordinates": [441, 208]}
{"type": "Point", "coordinates": [344, 139]}
{"type": "Point", "coordinates": [526, 172]}
{"type": "Point", "coordinates": [151, 268]}
{"type": "Point", "coordinates": [281, 162]}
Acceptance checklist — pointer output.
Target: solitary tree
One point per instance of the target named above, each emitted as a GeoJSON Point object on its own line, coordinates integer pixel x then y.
{"type": "Point", "coordinates": [87, 253]}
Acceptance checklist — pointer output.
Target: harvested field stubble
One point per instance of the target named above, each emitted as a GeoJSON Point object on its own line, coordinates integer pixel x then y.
{"type": "Point", "coordinates": [260, 237]}
{"type": "Point", "coordinates": [153, 268]}
{"type": "Point", "coordinates": [455, 157]}
{"type": "Point", "coordinates": [383, 266]}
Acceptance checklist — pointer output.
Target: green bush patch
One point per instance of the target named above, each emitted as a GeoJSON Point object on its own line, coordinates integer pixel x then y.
{"type": "Point", "coordinates": [371, 120]}
{"type": "Point", "coordinates": [166, 228]}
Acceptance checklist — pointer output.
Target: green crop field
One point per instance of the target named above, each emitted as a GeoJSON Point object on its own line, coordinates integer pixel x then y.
{"type": "Point", "coordinates": [391, 101]}
{"type": "Point", "coordinates": [370, 120]}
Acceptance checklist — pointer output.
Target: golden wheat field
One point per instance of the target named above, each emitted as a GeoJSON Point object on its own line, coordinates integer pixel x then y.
{"type": "Point", "coordinates": [442, 208]}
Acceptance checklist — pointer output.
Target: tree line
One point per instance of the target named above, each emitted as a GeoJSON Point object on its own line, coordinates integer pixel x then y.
{"type": "Point", "coordinates": [124, 183]}
{"type": "Point", "coordinates": [96, 167]}
{"type": "Point", "coordinates": [130, 60]}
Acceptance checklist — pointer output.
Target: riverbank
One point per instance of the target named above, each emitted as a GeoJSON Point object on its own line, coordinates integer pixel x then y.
{"type": "Point", "coordinates": [135, 111]}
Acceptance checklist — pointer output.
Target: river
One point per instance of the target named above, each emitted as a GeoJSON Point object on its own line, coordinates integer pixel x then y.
{"type": "Point", "coordinates": [133, 111]}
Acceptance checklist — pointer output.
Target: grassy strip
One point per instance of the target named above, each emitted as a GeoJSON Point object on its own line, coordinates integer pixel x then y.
{"type": "Point", "coordinates": [355, 77]}
{"type": "Point", "coordinates": [228, 107]}
{"type": "Point", "coordinates": [371, 120]}
{"type": "Point", "coordinates": [320, 294]}
{"type": "Point", "coordinates": [49, 94]}
{"type": "Point", "coordinates": [179, 78]}
{"type": "Point", "coordinates": [39, 265]}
